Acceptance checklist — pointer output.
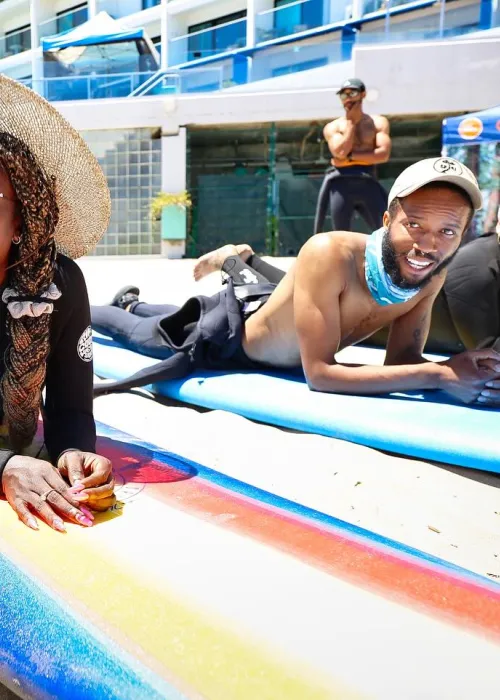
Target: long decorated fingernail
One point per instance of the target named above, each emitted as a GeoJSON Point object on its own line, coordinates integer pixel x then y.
{"type": "Point", "coordinates": [32, 523]}
{"type": "Point", "coordinates": [59, 525]}
{"type": "Point", "coordinates": [80, 496]}
{"type": "Point", "coordinates": [87, 512]}
{"type": "Point", "coordinates": [77, 486]}
{"type": "Point", "coordinates": [84, 520]}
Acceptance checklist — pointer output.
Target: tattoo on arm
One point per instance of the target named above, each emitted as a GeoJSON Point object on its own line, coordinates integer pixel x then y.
{"type": "Point", "coordinates": [417, 333]}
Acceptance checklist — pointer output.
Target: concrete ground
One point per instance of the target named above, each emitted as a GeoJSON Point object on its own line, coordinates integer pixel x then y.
{"type": "Point", "coordinates": [449, 512]}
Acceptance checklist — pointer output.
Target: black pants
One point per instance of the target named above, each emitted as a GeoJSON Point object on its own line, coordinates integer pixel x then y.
{"type": "Point", "coordinates": [345, 194]}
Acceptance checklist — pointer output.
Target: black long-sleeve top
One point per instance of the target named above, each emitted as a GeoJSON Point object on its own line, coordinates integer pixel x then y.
{"type": "Point", "coordinates": [68, 419]}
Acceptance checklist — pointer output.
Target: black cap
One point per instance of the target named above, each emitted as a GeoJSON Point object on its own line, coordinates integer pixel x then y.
{"type": "Point", "coordinates": [353, 83]}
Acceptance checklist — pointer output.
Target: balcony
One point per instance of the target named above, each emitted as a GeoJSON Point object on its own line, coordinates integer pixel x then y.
{"type": "Point", "coordinates": [292, 18]}
{"type": "Point", "coordinates": [370, 6]}
{"type": "Point", "coordinates": [118, 9]}
{"type": "Point", "coordinates": [454, 20]}
{"type": "Point", "coordinates": [63, 22]}
{"type": "Point", "coordinates": [119, 85]}
{"type": "Point", "coordinates": [15, 42]}
{"type": "Point", "coordinates": [208, 42]}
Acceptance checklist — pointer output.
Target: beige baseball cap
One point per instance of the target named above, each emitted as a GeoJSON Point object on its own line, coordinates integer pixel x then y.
{"type": "Point", "coordinates": [437, 170]}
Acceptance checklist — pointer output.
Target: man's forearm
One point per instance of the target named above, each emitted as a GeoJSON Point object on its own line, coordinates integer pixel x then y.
{"type": "Point", "coordinates": [369, 157]}
{"type": "Point", "coordinates": [370, 379]}
{"type": "Point", "coordinates": [345, 144]}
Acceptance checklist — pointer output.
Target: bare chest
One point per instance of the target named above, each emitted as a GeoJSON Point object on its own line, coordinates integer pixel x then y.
{"type": "Point", "coordinates": [365, 133]}
{"type": "Point", "coordinates": [361, 316]}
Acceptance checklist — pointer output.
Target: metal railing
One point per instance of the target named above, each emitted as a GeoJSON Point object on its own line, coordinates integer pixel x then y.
{"type": "Point", "coordinates": [208, 42]}
{"type": "Point", "coordinates": [293, 18]}
{"type": "Point", "coordinates": [15, 43]}
{"type": "Point", "coordinates": [370, 6]}
{"type": "Point", "coordinates": [63, 22]}
{"type": "Point", "coordinates": [88, 87]}
{"type": "Point", "coordinates": [114, 85]}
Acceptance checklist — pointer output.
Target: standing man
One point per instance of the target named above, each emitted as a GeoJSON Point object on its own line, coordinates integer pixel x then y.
{"type": "Point", "coordinates": [357, 143]}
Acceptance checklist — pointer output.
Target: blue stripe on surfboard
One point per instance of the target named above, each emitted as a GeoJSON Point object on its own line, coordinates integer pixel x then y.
{"type": "Point", "coordinates": [50, 653]}
{"type": "Point", "coordinates": [441, 430]}
{"type": "Point", "coordinates": [340, 527]}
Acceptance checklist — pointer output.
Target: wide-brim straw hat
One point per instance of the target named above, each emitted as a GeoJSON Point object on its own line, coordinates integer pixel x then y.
{"type": "Point", "coordinates": [81, 189]}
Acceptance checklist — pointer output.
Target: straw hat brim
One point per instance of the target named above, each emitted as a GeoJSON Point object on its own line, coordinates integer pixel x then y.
{"type": "Point", "coordinates": [81, 189]}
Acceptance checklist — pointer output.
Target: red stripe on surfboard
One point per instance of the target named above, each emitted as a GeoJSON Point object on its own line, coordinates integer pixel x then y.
{"type": "Point", "coordinates": [392, 575]}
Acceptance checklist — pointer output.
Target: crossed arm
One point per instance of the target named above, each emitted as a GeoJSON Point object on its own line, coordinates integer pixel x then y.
{"type": "Point", "coordinates": [341, 143]}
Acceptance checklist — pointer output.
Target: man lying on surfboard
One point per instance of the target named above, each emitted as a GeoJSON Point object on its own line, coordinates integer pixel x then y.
{"type": "Point", "coordinates": [342, 288]}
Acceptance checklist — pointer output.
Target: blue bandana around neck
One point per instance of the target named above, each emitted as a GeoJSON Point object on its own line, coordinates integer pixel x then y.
{"type": "Point", "coordinates": [381, 287]}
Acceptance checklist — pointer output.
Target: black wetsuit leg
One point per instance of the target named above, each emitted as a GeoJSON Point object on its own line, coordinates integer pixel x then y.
{"type": "Point", "coordinates": [342, 200]}
{"type": "Point", "coordinates": [141, 308]}
{"type": "Point", "coordinates": [271, 273]}
{"type": "Point", "coordinates": [241, 272]}
{"type": "Point", "coordinates": [370, 200]}
{"type": "Point", "coordinates": [323, 204]}
{"type": "Point", "coordinates": [133, 332]}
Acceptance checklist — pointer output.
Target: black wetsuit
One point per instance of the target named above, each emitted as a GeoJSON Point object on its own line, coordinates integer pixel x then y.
{"type": "Point", "coordinates": [207, 331]}
{"type": "Point", "coordinates": [346, 190]}
{"type": "Point", "coordinates": [67, 412]}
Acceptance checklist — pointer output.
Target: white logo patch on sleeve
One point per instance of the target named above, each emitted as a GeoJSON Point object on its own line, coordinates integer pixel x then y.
{"type": "Point", "coordinates": [84, 346]}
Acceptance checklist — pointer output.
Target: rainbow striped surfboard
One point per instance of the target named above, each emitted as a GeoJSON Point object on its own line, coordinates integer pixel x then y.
{"type": "Point", "coordinates": [200, 586]}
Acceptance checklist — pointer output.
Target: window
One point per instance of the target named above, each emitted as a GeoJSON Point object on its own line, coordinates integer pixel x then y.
{"type": "Point", "coordinates": [229, 36]}
{"type": "Point", "coordinates": [146, 4]}
{"type": "Point", "coordinates": [18, 40]}
{"type": "Point", "coordinates": [297, 17]}
{"type": "Point", "coordinates": [72, 17]}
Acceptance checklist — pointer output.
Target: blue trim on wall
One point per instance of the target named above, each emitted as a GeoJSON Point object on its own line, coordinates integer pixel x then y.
{"type": "Point", "coordinates": [486, 14]}
{"type": "Point", "coordinates": [348, 41]}
{"type": "Point", "coordinates": [240, 69]}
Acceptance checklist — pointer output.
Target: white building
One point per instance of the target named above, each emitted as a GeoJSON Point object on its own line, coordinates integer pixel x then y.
{"type": "Point", "coordinates": [191, 99]}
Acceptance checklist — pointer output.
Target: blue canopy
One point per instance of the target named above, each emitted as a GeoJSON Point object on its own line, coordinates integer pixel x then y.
{"type": "Point", "coordinates": [101, 29]}
{"type": "Point", "coordinates": [478, 127]}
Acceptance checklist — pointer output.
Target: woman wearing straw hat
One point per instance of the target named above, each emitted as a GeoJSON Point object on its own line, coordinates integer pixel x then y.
{"type": "Point", "coordinates": [54, 205]}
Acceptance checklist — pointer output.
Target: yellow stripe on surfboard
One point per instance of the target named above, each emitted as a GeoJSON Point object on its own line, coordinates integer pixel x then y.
{"type": "Point", "coordinates": [200, 652]}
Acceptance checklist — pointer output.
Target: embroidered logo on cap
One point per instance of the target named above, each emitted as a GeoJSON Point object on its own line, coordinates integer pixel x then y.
{"type": "Point", "coordinates": [445, 165]}
{"type": "Point", "coordinates": [84, 346]}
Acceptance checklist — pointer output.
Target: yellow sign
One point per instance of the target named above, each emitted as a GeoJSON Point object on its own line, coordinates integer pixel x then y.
{"type": "Point", "coordinates": [470, 128]}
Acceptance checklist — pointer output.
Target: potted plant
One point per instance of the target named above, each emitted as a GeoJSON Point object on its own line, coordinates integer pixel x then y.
{"type": "Point", "coordinates": [170, 208]}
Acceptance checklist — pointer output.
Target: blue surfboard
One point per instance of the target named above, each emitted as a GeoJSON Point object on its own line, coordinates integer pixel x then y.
{"type": "Point", "coordinates": [427, 425]}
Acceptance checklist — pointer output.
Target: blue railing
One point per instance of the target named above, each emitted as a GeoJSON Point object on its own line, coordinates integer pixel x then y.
{"type": "Point", "coordinates": [292, 18]}
{"type": "Point", "coordinates": [113, 85]}
{"type": "Point", "coordinates": [89, 87]}
{"type": "Point", "coordinates": [208, 42]}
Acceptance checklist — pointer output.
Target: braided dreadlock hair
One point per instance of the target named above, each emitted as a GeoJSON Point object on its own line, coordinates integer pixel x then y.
{"type": "Point", "coordinates": [31, 272]}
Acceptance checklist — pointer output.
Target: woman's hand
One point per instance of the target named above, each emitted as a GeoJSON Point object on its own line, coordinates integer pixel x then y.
{"type": "Point", "coordinates": [34, 486]}
{"type": "Point", "coordinates": [90, 476]}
